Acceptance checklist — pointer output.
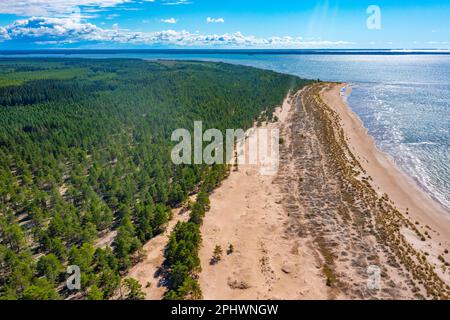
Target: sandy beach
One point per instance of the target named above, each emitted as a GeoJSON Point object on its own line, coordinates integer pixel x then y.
{"type": "Point", "coordinates": [337, 208]}
{"type": "Point", "coordinates": [247, 211]}
{"type": "Point", "coordinates": [337, 211]}
{"type": "Point", "coordinates": [401, 189]}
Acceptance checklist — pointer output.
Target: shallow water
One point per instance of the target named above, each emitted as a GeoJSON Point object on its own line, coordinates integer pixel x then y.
{"type": "Point", "coordinates": [403, 100]}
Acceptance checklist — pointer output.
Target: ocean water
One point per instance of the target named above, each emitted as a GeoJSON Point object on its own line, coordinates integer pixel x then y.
{"type": "Point", "coordinates": [403, 100]}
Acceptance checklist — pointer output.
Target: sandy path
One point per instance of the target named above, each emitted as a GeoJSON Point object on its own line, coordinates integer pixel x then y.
{"type": "Point", "coordinates": [147, 271]}
{"type": "Point", "coordinates": [247, 212]}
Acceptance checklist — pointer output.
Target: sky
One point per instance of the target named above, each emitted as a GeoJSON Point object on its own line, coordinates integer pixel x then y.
{"type": "Point", "coordinates": [289, 24]}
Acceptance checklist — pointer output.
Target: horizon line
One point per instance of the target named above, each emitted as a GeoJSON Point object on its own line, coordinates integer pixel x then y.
{"type": "Point", "coordinates": [399, 51]}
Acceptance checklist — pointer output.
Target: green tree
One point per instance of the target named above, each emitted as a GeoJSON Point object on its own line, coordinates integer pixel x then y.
{"type": "Point", "coordinates": [89, 233]}
{"type": "Point", "coordinates": [41, 290]}
{"type": "Point", "coordinates": [190, 289]}
{"type": "Point", "coordinates": [178, 275]}
{"type": "Point", "coordinates": [12, 235]}
{"type": "Point", "coordinates": [50, 267]}
{"type": "Point", "coordinates": [126, 242]}
{"type": "Point", "coordinates": [94, 293]}
{"type": "Point", "coordinates": [134, 290]}
{"type": "Point", "coordinates": [160, 219]}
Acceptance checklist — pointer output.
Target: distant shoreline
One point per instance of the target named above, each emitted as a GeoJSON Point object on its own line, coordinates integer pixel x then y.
{"type": "Point", "coordinates": [424, 51]}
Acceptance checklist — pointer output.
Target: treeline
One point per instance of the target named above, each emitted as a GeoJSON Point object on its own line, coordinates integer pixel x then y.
{"type": "Point", "coordinates": [39, 91]}
{"type": "Point", "coordinates": [182, 250]}
{"type": "Point", "coordinates": [85, 170]}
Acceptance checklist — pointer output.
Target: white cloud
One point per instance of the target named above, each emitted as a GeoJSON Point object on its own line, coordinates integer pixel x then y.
{"type": "Point", "coordinates": [215, 20]}
{"type": "Point", "coordinates": [69, 30]}
{"type": "Point", "coordinates": [112, 16]}
{"type": "Point", "coordinates": [170, 20]}
{"type": "Point", "coordinates": [4, 34]}
{"type": "Point", "coordinates": [54, 8]}
{"type": "Point", "coordinates": [54, 28]}
{"type": "Point", "coordinates": [175, 2]}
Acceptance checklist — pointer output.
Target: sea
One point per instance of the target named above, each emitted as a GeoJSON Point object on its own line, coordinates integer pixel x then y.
{"type": "Point", "coordinates": [402, 97]}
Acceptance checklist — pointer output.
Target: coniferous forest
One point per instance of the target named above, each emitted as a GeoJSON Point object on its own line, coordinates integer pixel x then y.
{"type": "Point", "coordinates": [86, 176]}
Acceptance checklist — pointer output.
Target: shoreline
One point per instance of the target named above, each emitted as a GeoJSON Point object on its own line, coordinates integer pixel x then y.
{"type": "Point", "coordinates": [387, 175]}
{"type": "Point", "coordinates": [415, 183]}
{"type": "Point", "coordinates": [420, 207]}
{"type": "Point", "coordinates": [312, 231]}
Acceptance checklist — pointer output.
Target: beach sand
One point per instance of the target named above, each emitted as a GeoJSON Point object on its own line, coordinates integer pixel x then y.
{"type": "Point", "coordinates": [247, 212]}
{"type": "Point", "coordinates": [388, 178]}
{"type": "Point", "coordinates": [316, 229]}
{"type": "Point", "coordinates": [338, 221]}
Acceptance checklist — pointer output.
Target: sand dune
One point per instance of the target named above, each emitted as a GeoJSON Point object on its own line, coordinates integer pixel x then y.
{"type": "Point", "coordinates": [337, 211]}
{"type": "Point", "coordinates": [316, 230]}
{"type": "Point", "coordinates": [247, 212]}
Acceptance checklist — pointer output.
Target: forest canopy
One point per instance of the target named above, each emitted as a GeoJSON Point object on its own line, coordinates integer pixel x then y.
{"type": "Point", "coordinates": [85, 171]}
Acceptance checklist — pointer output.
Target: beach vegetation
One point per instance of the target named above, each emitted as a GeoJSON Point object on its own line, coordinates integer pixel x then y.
{"type": "Point", "coordinates": [230, 249]}
{"type": "Point", "coordinates": [217, 254]}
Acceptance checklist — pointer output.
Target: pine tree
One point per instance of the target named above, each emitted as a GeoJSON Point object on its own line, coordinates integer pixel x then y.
{"type": "Point", "coordinates": [134, 290]}
{"type": "Point", "coordinates": [94, 293]}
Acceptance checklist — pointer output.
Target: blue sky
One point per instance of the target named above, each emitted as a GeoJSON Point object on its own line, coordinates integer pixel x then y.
{"type": "Point", "coordinates": [34, 24]}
